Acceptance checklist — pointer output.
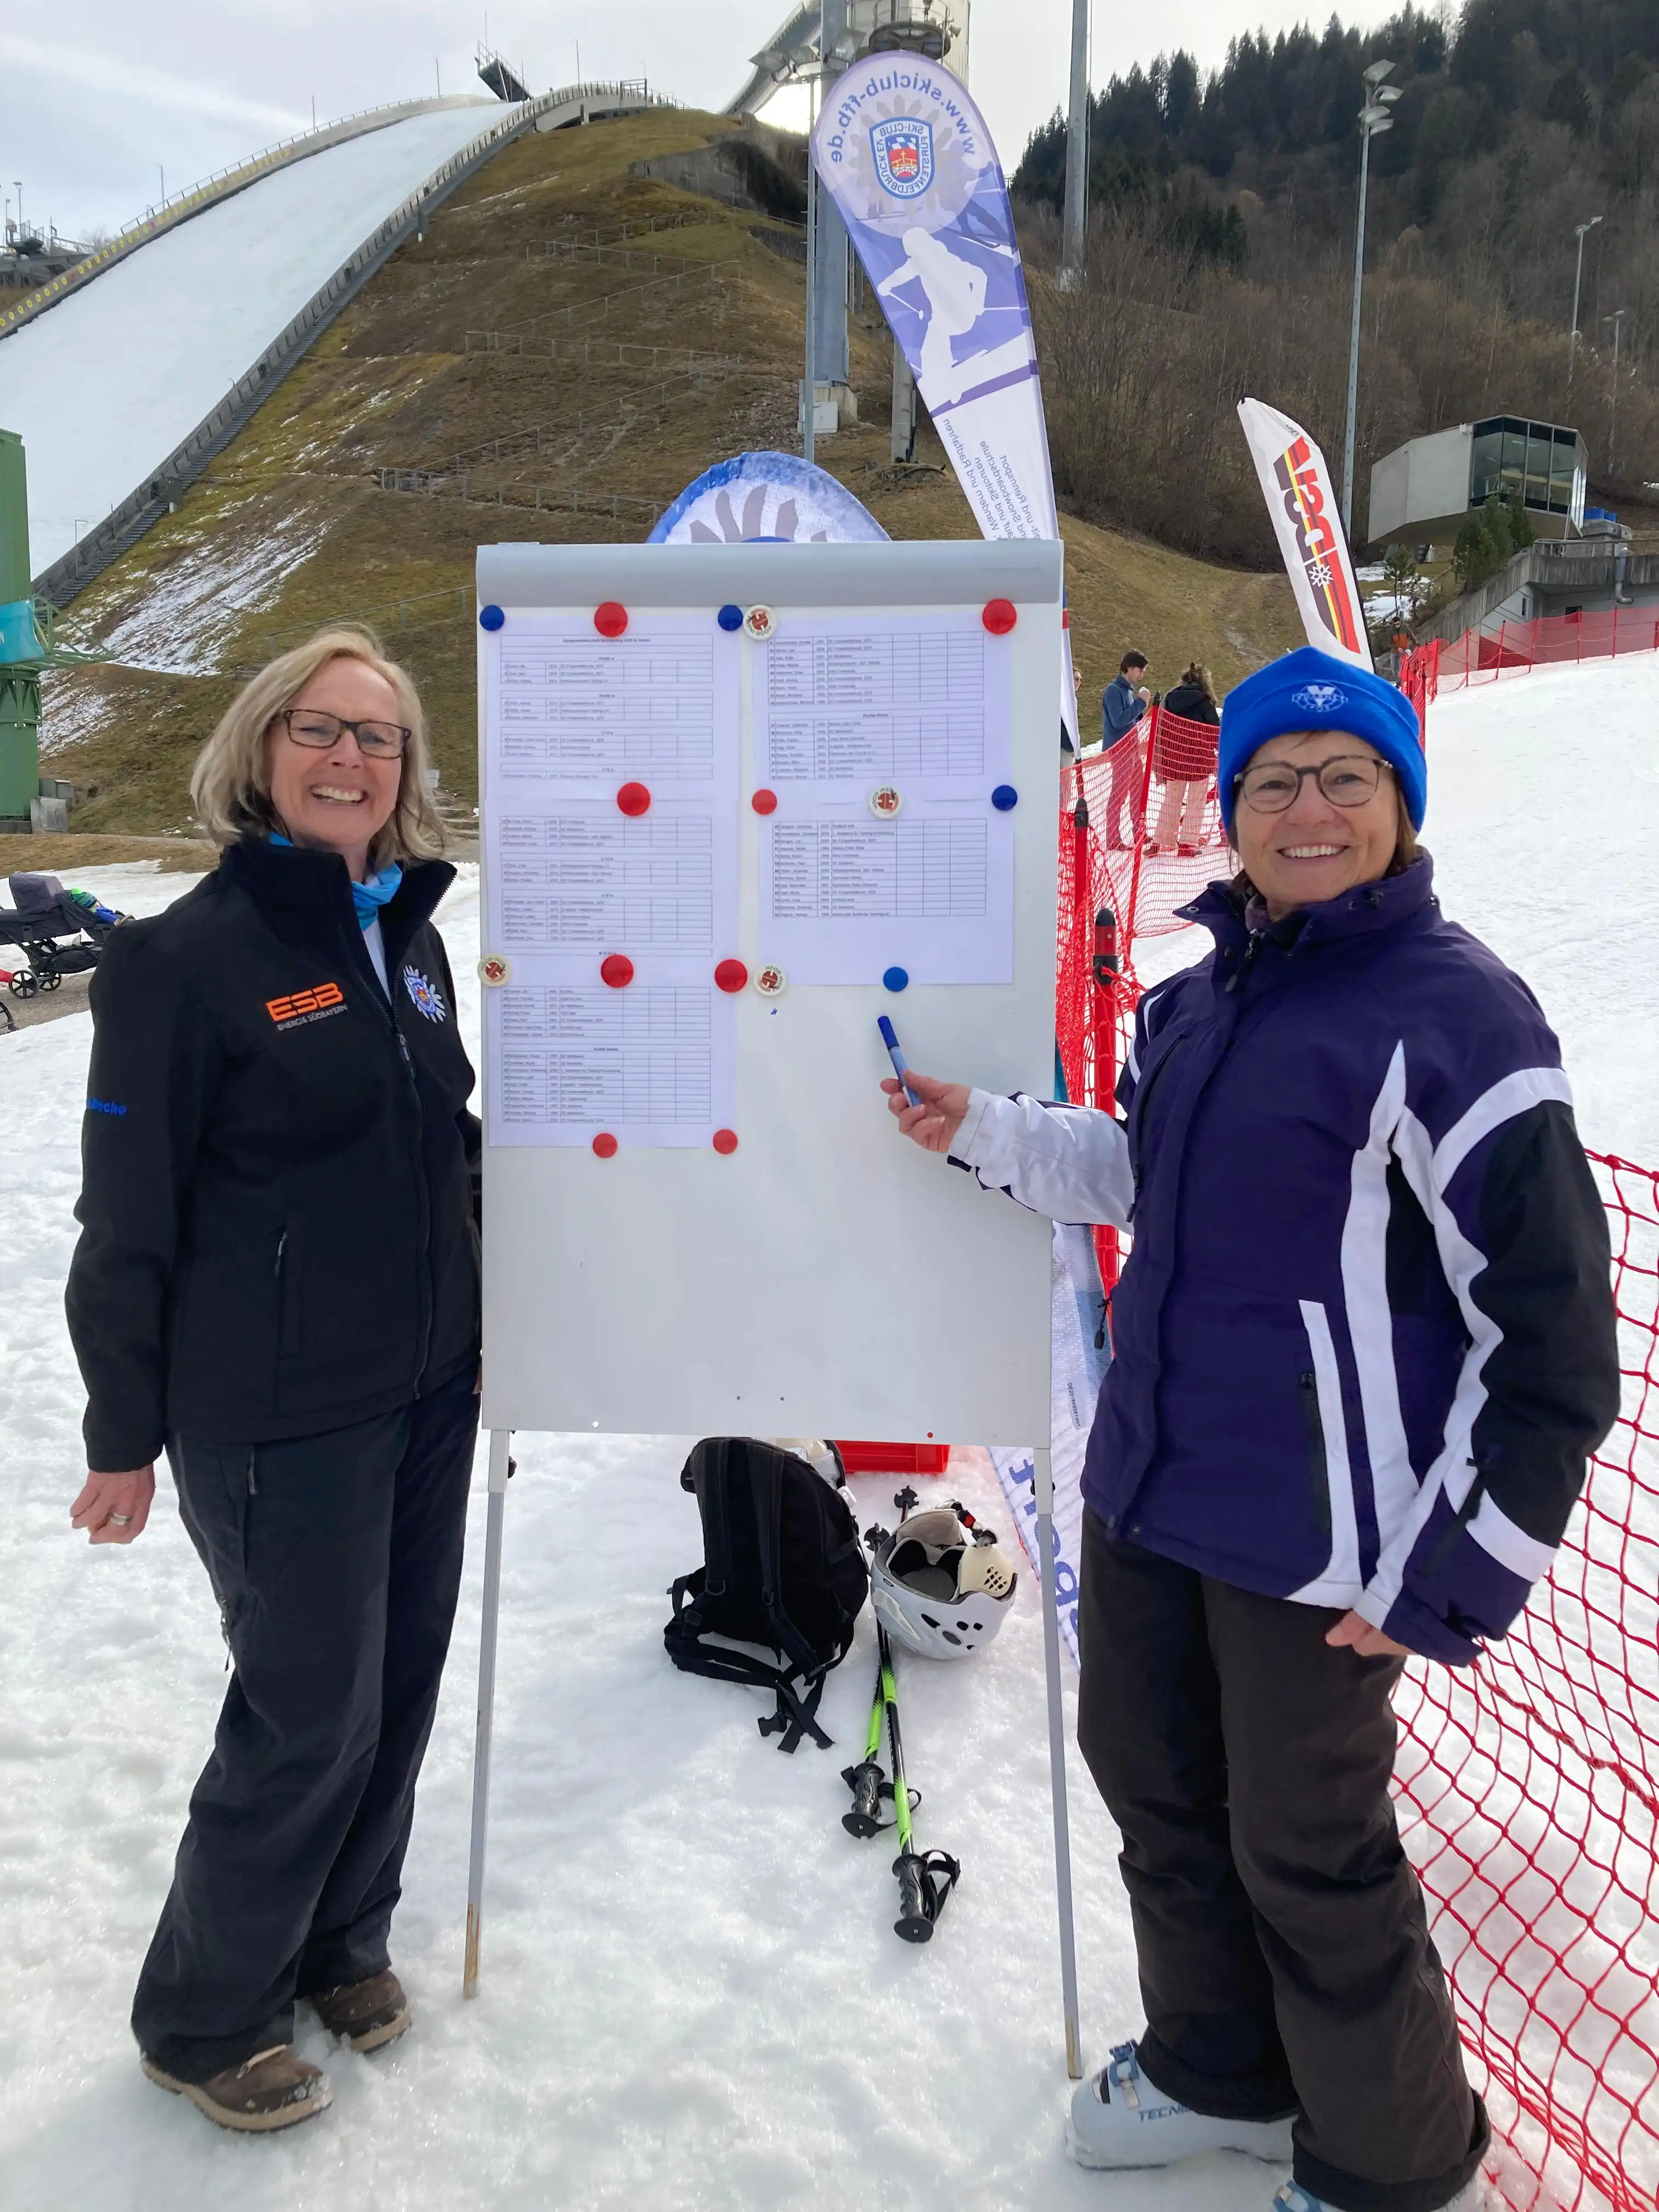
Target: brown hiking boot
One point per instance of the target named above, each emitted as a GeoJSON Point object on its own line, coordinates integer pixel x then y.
{"type": "Point", "coordinates": [368, 2013]}
{"type": "Point", "coordinates": [272, 2089]}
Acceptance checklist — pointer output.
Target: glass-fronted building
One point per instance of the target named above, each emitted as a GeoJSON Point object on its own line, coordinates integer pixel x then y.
{"type": "Point", "coordinates": [1422, 491]}
{"type": "Point", "coordinates": [1544, 462]}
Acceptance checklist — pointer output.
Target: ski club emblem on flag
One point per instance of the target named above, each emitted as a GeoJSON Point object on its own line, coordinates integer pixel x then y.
{"type": "Point", "coordinates": [903, 151]}
{"type": "Point", "coordinates": [427, 997]}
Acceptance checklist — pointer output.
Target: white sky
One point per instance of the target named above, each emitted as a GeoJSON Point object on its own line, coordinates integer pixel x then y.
{"type": "Point", "coordinates": [102, 94]}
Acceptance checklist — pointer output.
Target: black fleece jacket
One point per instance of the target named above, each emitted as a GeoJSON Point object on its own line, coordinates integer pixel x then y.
{"type": "Point", "coordinates": [279, 1201]}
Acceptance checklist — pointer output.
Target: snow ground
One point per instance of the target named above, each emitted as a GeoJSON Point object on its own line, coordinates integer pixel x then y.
{"type": "Point", "coordinates": [691, 1994]}
{"type": "Point", "coordinates": [105, 384]}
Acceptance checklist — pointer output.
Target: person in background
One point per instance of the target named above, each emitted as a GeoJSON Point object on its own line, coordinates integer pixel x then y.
{"type": "Point", "coordinates": [1122, 704]}
{"type": "Point", "coordinates": [277, 1281]}
{"type": "Point", "coordinates": [1363, 1343]}
{"type": "Point", "coordinates": [1185, 766]}
{"type": "Point", "coordinates": [1067, 749]}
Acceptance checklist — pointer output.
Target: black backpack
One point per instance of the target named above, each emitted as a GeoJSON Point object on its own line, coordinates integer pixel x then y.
{"type": "Point", "coordinates": [783, 1568]}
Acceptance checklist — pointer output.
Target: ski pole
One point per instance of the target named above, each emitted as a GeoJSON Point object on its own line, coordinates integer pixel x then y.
{"type": "Point", "coordinates": [865, 1780]}
{"type": "Point", "coordinates": [927, 1880]}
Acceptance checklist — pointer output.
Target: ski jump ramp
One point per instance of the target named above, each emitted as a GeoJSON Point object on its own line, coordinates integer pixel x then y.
{"type": "Point", "coordinates": [123, 390]}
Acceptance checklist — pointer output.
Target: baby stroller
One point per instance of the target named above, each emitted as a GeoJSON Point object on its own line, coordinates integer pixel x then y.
{"type": "Point", "coordinates": [59, 933]}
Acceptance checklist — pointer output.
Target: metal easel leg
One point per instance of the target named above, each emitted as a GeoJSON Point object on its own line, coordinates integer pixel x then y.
{"type": "Point", "coordinates": [1043, 1471]}
{"type": "Point", "coordinates": [500, 1441]}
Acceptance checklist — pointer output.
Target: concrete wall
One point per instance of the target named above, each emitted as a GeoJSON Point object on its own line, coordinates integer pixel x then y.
{"type": "Point", "coordinates": [1546, 579]}
{"type": "Point", "coordinates": [1419, 484]}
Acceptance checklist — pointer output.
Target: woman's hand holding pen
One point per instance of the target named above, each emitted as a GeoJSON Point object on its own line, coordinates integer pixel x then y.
{"type": "Point", "coordinates": [934, 1122]}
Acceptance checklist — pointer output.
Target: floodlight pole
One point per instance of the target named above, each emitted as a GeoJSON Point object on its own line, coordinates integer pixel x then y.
{"type": "Point", "coordinates": [1579, 230]}
{"type": "Point", "coordinates": [1374, 118]}
{"type": "Point", "coordinates": [1616, 320]}
{"type": "Point", "coordinates": [1077, 154]}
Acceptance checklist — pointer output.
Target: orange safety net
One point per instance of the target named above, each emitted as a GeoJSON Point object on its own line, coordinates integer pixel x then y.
{"type": "Point", "coordinates": [1528, 1785]}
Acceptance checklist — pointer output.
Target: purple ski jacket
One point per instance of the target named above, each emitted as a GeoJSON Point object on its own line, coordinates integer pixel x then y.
{"type": "Point", "coordinates": [1365, 1338]}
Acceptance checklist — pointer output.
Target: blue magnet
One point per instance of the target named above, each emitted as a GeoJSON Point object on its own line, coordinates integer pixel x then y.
{"type": "Point", "coordinates": [1004, 797]}
{"type": "Point", "coordinates": [895, 979]}
{"type": "Point", "coordinates": [730, 617]}
{"type": "Point", "coordinates": [490, 617]}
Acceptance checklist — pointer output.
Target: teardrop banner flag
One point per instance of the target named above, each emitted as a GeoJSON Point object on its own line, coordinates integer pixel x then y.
{"type": "Point", "coordinates": [766, 495]}
{"type": "Point", "coordinates": [1307, 519]}
{"type": "Point", "coordinates": [908, 158]}
{"type": "Point", "coordinates": [909, 162]}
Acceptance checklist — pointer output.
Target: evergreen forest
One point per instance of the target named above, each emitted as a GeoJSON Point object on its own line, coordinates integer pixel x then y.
{"type": "Point", "coordinates": [1219, 257]}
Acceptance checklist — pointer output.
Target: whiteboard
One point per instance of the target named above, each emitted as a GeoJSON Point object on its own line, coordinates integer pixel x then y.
{"type": "Point", "coordinates": [826, 1277]}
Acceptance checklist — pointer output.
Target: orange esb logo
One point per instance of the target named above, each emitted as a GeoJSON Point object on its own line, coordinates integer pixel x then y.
{"type": "Point", "coordinates": [319, 1000]}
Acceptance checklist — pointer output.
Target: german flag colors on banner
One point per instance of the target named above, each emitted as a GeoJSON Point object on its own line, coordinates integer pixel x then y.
{"type": "Point", "coordinates": [1302, 502]}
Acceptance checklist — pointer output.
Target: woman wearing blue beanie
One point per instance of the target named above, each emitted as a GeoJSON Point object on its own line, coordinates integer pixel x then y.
{"type": "Point", "coordinates": [1363, 1345]}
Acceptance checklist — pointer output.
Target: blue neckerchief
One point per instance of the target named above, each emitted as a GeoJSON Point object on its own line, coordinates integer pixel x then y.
{"type": "Point", "coordinates": [367, 898]}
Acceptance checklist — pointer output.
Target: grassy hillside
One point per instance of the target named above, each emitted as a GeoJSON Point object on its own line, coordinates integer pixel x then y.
{"type": "Point", "coordinates": [291, 525]}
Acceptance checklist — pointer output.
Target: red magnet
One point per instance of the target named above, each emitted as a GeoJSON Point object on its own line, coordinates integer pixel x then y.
{"type": "Point", "coordinates": [764, 802]}
{"type": "Point", "coordinates": [726, 1141]}
{"type": "Point", "coordinates": [998, 616]}
{"type": "Point", "coordinates": [605, 1144]}
{"type": "Point", "coordinates": [634, 799]}
{"type": "Point", "coordinates": [731, 975]}
{"type": "Point", "coordinates": [617, 970]}
{"type": "Point", "coordinates": [611, 620]}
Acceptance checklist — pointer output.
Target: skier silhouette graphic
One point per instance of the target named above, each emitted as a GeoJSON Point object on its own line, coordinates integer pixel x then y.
{"type": "Point", "coordinates": [955, 290]}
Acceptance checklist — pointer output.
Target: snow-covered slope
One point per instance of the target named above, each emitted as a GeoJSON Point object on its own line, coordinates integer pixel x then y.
{"type": "Point", "coordinates": [691, 1996]}
{"type": "Point", "coordinates": [103, 386]}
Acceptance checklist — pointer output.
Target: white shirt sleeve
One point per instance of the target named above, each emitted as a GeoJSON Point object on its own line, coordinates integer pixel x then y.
{"type": "Point", "coordinates": [1068, 1162]}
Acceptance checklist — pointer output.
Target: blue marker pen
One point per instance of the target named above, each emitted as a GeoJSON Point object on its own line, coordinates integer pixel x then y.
{"type": "Point", "coordinates": [891, 1041]}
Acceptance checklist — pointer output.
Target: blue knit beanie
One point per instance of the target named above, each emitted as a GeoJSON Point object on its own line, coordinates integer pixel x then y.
{"type": "Point", "coordinates": [1312, 691]}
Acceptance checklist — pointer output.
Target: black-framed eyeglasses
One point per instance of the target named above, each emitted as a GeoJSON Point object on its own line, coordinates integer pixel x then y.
{"type": "Point", "coordinates": [309, 725]}
{"type": "Point", "coordinates": [1345, 779]}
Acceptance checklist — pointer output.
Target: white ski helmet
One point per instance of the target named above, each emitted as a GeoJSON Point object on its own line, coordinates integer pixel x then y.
{"type": "Point", "coordinates": [940, 1585]}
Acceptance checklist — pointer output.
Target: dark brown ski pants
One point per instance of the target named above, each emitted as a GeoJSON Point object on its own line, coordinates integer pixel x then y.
{"type": "Point", "coordinates": [1285, 1957]}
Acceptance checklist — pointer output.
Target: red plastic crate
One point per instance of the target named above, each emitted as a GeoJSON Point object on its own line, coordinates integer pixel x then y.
{"type": "Point", "coordinates": [893, 1459]}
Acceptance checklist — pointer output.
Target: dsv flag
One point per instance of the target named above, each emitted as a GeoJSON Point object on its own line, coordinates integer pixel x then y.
{"type": "Point", "coordinates": [909, 162]}
{"type": "Point", "coordinates": [1302, 503]}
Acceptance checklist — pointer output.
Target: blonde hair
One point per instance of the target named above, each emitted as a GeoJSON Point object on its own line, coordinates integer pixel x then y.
{"type": "Point", "coordinates": [1199, 674]}
{"type": "Point", "coordinates": [230, 784]}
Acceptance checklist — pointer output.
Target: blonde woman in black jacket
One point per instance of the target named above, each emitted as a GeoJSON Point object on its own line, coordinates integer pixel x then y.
{"type": "Point", "coordinates": [277, 1283]}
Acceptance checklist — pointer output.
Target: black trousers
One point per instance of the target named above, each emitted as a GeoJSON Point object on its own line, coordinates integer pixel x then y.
{"type": "Point", "coordinates": [1285, 1957]}
{"type": "Point", "coordinates": [336, 1561]}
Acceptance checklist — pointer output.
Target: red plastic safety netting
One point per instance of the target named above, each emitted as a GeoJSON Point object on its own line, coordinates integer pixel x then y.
{"type": "Point", "coordinates": [1529, 1791]}
{"type": "Point", "coordinates": [1139, 835]}
{"type": "Point", "coordinates": [1547, 641]}
{"type": "Point", "coordinates": [1529, 1785]}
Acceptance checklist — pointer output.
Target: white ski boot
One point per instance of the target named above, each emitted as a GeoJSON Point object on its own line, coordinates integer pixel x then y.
{"type": "Point", "coordinates": [1120, 2120]}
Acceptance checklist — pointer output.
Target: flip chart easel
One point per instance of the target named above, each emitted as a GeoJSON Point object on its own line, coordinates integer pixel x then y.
{"type": "Point", "coordinates": [703, 782]}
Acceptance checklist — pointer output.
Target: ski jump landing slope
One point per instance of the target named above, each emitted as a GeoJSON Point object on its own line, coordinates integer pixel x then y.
{"type": "Point", "coordinates": [108, 384]}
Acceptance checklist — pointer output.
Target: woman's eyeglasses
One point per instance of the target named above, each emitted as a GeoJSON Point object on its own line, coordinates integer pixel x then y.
{"type": "Point", "coordinates": [375, 740]}
{"type": "Point", "coordinates": [1346, 780]}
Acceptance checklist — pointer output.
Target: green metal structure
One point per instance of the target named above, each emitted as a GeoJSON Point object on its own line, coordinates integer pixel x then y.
{"type": "Point", "coordinates": [27, 646]}
{"type": "Point", "coordinates": [20, 643]}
